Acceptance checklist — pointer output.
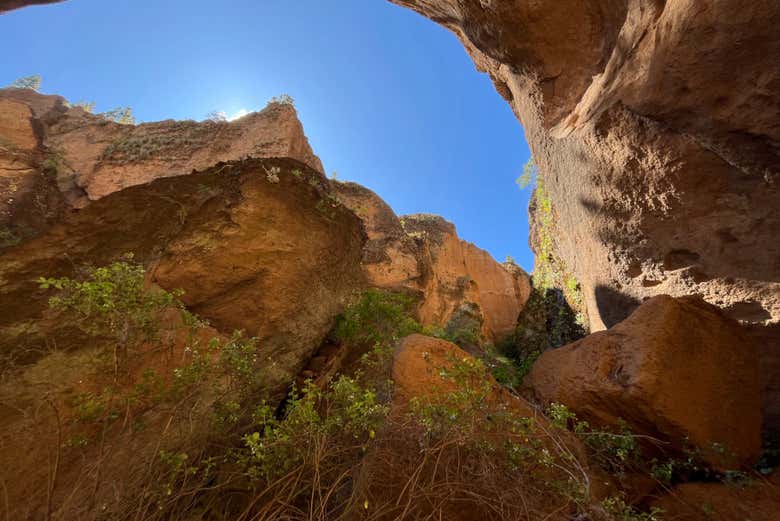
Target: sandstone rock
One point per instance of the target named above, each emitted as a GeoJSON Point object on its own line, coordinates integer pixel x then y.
{"type": "Point", "coordinates": [424, 254]}
{"type": "Point", "coordinates": [16, 126]}
{"type": "Point", "coordinates": [758, 501]}
{"type": "Point", "coordinates": [676, 369]}
{"type": "Point", "coordinates": [254, 248]}
{"type": "Point", "coordinates": [102, 156]}
{"type": "Point", "coordinates": [390, 258]}
{"type": "Point", "coordinates": [654, 125]}
{"type": "Point", "coordinates": [457, 268]}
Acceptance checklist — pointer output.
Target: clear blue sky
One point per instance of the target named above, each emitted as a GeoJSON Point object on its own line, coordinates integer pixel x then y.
{"type": "Point", "coordinates": [388, 99]}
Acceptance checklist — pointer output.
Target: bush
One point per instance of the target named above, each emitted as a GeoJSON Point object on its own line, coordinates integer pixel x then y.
{"type": "Point", "coordinates": [28, 82]}
{"type": "Point", "coordinates": [379, 317]}
{"type": "Point", "coordinates": [530, 172]}
{"type": "Point", "coordinates": [282, 99]}
{"type": "Point", "coordinates": [121, 115]}
{"type": "Point", "coordinates": [113, 302]}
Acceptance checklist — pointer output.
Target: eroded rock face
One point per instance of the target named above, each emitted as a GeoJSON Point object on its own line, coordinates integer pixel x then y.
{"type": "Point", "coordinates": [253, 245]}
{"type": "Point", "coordinates": [676, 369]}
{"type": "Point", "coordinates": [99, 157]}
{"type": "Point", "coordinates": [424, 254]}
{"type": "Point", "coordinates": [661, 168]}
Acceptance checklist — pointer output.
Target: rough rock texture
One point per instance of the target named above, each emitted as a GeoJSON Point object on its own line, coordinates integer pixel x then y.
{"type": "Point", "coordinates": [662, 169]}
{"type": "Point", "coordinates": [96, 157]}
{"type": "Point", "coordinates": [676, 369]}
{"type": "Point", "coordinates": [655, 128]}
{"type": "Point", "coordinates": [423, 253]}
{"type": "Point", "coordinates": [757, 501]}
{"type": "Point", "coordinates": [269, 253]}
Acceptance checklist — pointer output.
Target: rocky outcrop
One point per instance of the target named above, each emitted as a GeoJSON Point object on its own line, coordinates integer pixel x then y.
{"type": "Point", "coordinates": [662, 169]}
{"type": "Point", "coordinates": [654, 126]}
{"type": "Point", "coordinates": [95, 156]}
{"type": "Point", "coordinates": [256, 245]}
{"type": "Point", "coordinates": [457, 281]}
{"type": "Point", "coordinates": [676, 369]}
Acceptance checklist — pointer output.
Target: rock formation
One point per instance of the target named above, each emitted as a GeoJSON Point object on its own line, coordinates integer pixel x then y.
{"type": "Point", "coordinates": [676, 369]}
{"type": "Point", "coordinates": [459, 284]}
{"type": "Point", "coordinates": [97, 156]}
{"type": "Point", "coordinates": [655, 129]}
{"type": "Point", "coordinates": [82, 189]}
{"type": "Point", "coordinates": [245, 245]}
{"type": "Point", "coordinates": [662, 170]}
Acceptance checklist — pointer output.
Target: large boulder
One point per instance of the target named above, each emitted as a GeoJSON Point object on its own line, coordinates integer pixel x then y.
{"type": "Point", "coordinates": [256, 245]}
{"type": "Point", "coordinates": [676, 369]}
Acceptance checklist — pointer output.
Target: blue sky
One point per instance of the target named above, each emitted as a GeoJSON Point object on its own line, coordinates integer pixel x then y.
{"type": "Point", "coordinates": [388, 99]}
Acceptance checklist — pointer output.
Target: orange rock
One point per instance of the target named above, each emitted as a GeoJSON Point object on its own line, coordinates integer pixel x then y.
{"type": "Point", "coordinates": [273, 256]}
{"type": "Point", "coordinates": [676, 369]}
{"type": "Point", "coordinates": [757, 501]}
{"type": "Point", "coordinates": [102, 157]}
{"type": "Point", "coordinates": [424, 254]}
{"type": "Point", "coordinates": [16, 128]}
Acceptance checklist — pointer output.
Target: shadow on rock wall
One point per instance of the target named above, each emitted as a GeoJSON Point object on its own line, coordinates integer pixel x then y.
{"type": "Point", "coordinates": [614, 306]}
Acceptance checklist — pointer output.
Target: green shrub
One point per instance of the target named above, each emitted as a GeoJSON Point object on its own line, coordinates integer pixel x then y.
{"type": "Point", "coordinates": [619, 510]}
{"type": "Point", "coordinates": [282, 99]}
{"type": "Point", "coordinates": [378, 317]}
{"type": "Point", "coordinates": [8, 238]}
{"type": "Point", "coordinates": [87, 106]}
{"type": "Point", "coordinates": [113, 302]}
{"type": "Point", "coordinates": [529, 175]}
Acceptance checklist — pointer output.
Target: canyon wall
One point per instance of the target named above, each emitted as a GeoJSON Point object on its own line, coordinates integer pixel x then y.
{"type": "Point", "coordinates": [459, 284]}
{"type": "Point", "coordinates": [655, 128]}
{"type": "Point", "coordinates": [662, 169]}
{"type": "Point", "coordinates": [237, 214]}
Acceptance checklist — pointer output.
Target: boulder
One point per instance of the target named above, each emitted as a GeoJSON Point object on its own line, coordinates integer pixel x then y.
{"type": "Point", "coordinates": [677, 369]}
{"type": "Point", "coordinates": [256, 245]}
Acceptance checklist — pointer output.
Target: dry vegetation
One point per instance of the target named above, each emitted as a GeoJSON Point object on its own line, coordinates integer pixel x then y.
{"type": "Point", "coordinates": [162, 419]}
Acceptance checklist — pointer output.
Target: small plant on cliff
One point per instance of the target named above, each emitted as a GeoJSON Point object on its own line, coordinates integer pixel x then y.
{"type": "Point", "coordinates": [8, 238]}
{"type": "Point", "coordinates": [619, 510]}
{"type": "Point", "coordinates": [28, 82]}
{"type": "Point", "coordinates": [112, 302]}
{"type": "Point", "coordinates": [86, 106]}
{"type": "Point", "coordinates": [282, 99]}
{"type": "Point", "coordinates": [530, 172]}
{"type": "Point", "coordinates": [216, 116]}
{"type": "Point", "coordinates": [121, 115]}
